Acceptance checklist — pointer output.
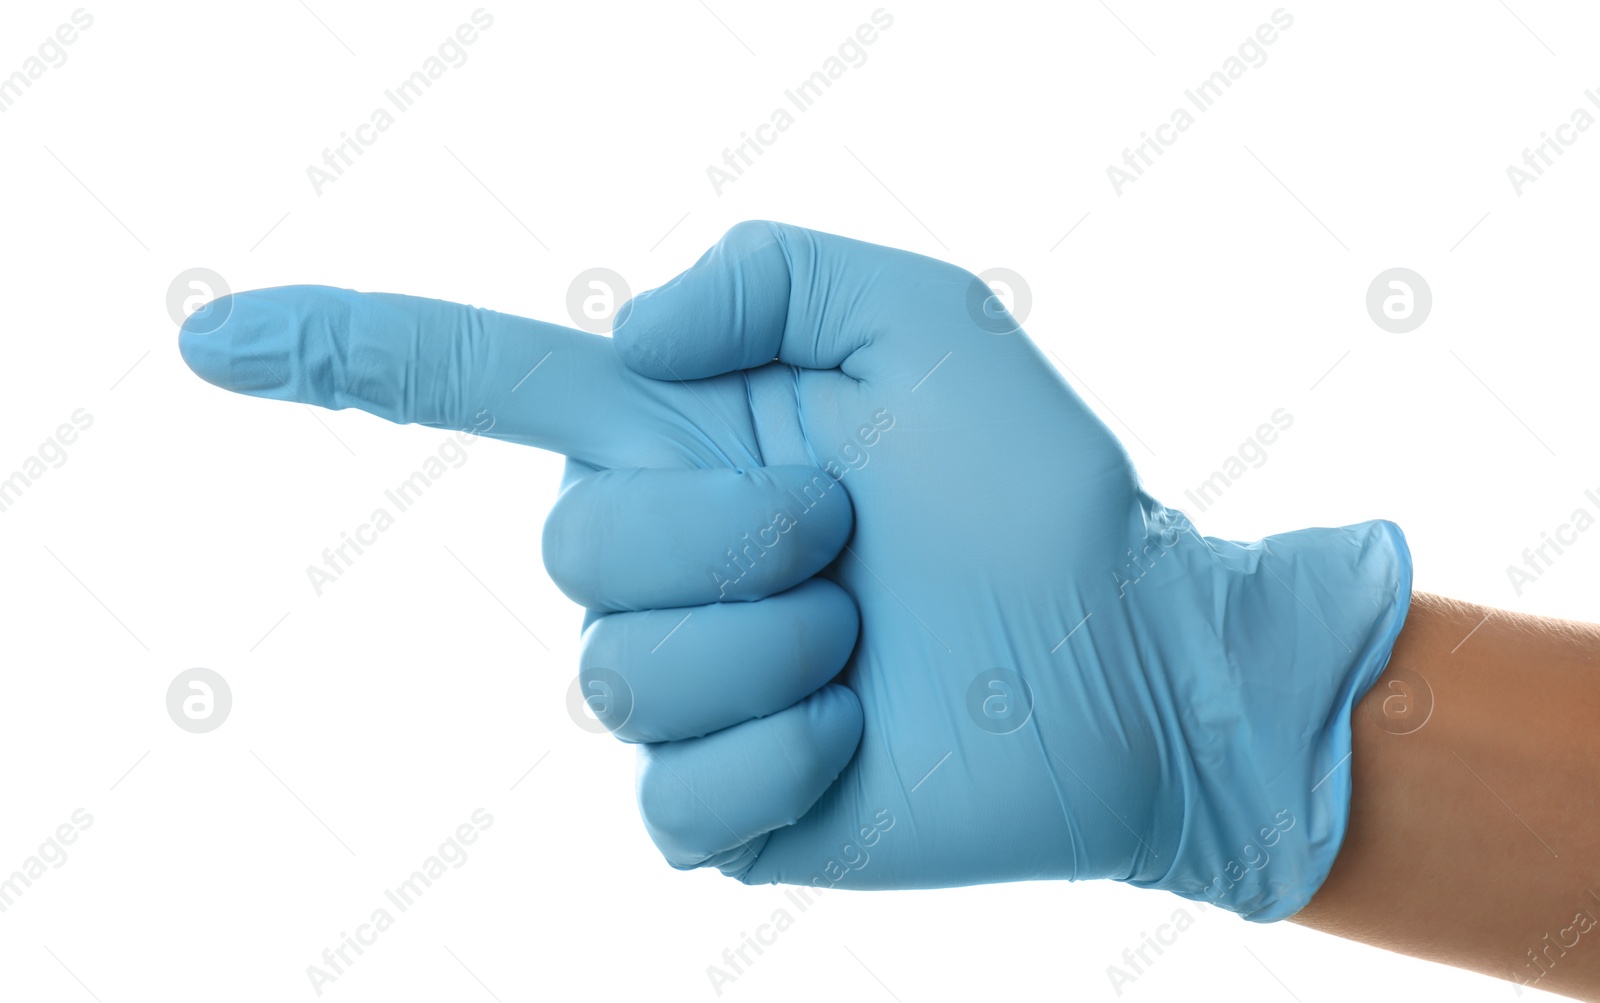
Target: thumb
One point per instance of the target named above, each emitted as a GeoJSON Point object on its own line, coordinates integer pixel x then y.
{"type": "Point", "coordinates": [770, 291]}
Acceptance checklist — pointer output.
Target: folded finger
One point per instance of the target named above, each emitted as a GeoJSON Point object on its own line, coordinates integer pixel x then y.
{"type": "Point", "coordinates": [636, 539]}
{"type": "Point", "coordinates": [709, 800]}
{"type": "Point", "coordinates": [667, 675]}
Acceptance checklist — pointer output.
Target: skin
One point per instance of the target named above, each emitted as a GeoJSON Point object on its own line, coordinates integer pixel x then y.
{"type": "Point", "coordinates": [1473, 835]}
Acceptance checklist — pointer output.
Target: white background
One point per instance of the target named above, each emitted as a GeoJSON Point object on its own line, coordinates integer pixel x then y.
{"type": "Point", "coordinates": [368, 723]}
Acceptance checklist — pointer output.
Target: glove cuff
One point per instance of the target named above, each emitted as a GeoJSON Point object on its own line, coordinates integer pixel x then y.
{"type": "Point", "coordinates": [1304, 624]}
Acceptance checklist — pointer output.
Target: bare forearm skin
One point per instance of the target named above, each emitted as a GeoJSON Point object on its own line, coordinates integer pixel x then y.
{"type": "Point", "coordinates": [1474, 835]}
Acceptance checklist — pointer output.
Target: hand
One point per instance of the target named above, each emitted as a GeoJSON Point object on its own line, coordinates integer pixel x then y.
{"type": "Point", "coordinates": [1044, 673]}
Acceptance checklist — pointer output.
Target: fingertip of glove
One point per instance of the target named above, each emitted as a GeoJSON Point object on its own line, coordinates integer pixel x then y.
{"type": "Point", "coordinates": [205, 342]}
{"type": "Point", "coordinates": [251, 342]}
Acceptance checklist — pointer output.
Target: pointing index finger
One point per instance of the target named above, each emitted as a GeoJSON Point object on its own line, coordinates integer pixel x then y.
{"type": "Point", "coordinates": [445, 365]}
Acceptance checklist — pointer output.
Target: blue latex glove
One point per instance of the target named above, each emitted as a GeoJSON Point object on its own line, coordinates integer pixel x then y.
{"type": "Point", "coordinates": [891, 611]}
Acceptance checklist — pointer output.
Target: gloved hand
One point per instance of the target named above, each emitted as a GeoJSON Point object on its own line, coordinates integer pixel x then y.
{"type": "Point", "coordinates": [892, 610]}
